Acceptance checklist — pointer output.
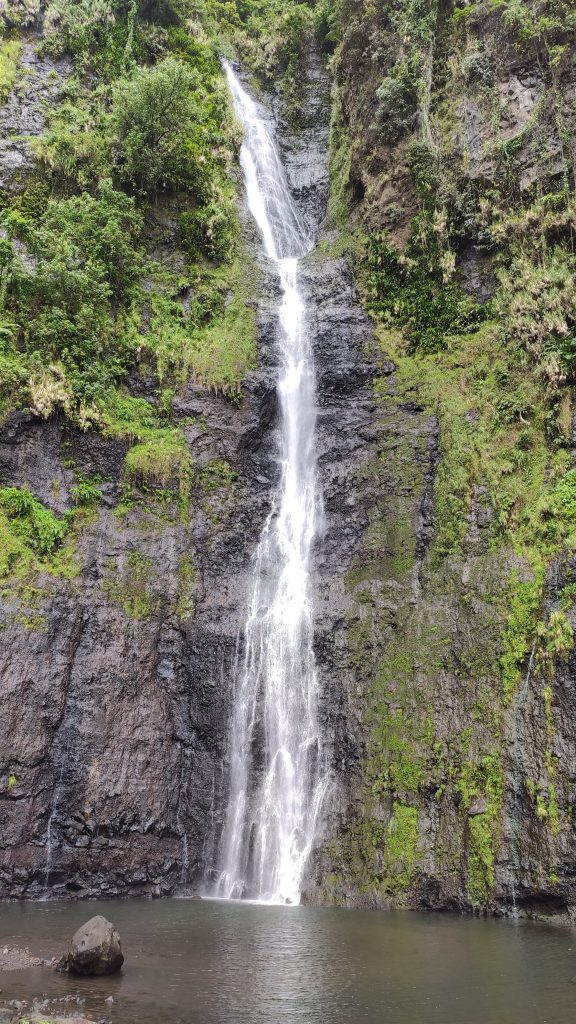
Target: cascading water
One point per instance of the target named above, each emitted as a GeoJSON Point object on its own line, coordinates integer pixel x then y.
{"type": "Point", "coordinates": [277, 776]}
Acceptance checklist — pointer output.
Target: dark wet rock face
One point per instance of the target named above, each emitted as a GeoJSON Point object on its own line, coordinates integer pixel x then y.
{"type": "Point", "coordinates": [116, 685]}
{"type": "Point", "coordinates": [23, 118]}
{"type": "Point", "coordinates": [116, 688]}
{"type": "Point", "coordinates": [95, 950]}
{"type": "Point", "coordinates": [342, 335]}
{"type": "Point", "coordinates": [304, 144]}
{"type": "Point", "coordinates": [115, 691]}
{"type": "Point", "coordinates": [450, 793]}
{"type": "Point", "coordinates": [117, 679]}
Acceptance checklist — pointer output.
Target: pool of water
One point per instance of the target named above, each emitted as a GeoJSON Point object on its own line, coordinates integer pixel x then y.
{"type": "Point", "coordinates": [193, 962]}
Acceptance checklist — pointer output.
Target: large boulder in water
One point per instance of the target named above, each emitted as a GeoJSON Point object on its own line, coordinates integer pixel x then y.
{"type": "Point", "coordinates": [95, 949]}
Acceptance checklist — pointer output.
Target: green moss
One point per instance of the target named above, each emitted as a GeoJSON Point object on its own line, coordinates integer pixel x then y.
{"type": "Point", "coordinates": [401, 847]}
{"type": "Point", "coordinates": [382, 858]}
{"type": "Point", "coordinates": [482, 781]}
{"type": "Point", "coordinates": [188, 578]}
{"type": "Point", "coordinates": [554, 640]}
{"type": "Point", "coordinates": [480, 859]}
{"type": "Point", "coordinates": [520, 631]}
{"type": "Point", "coordinates": [215, 475]}
{"type": "Point", "coordinates": [10, 50]}
{"type": "Point", "coordinates": [340, 165]}
{"type": "Point", "coordinates": [37, 548]}
{"type": "Point", "coordinates": [162, 459]}
{"type": "Point", "coordinates": [130, 584]}
{"type": "Point", "coordinates": [30, 530]}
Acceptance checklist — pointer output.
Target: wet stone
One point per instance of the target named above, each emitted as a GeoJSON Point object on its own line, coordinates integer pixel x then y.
{"type": "Point", "coordinates": [95, 949]}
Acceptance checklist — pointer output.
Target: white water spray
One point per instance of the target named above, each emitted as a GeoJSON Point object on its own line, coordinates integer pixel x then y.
{"type": "Point", "coordinates": [277, 775]}
{"type": "Point", "coordinates": [53, 811]}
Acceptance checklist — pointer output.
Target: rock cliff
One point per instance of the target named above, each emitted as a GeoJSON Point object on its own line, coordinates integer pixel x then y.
{"type": "Point", "coordinates": [450, 142]}
{"type": "Point", "coordinates": [444, 324]}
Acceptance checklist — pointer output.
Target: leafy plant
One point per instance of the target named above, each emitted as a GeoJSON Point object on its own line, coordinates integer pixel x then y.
{"type": "Point", "coordinates": [415, 291]}
{"type": "Point", "coordinates": [87, 492]}
{"type": "Point", "coordinates": [398, 101]}
{"type": "Point", "coordinates": [77, 143]}
{"type": "Point", "coordinates": [9, 55]}
{"type": "Point", "coordinates": [156, 112]}
{"type": "Point", "coordinates": [31, 521]}
{"type": "Point", "coordinates": [537, 304]}
{"type": "Point", "coordinates": [86, 259]}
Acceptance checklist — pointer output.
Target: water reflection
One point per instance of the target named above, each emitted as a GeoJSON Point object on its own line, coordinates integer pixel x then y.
{"type": "Point", "coordinates": [221, 963]}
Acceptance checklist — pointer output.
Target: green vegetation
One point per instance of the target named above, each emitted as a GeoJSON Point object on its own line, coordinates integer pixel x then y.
{"type": "Point", "coordinates": [215, 475]}
{"type": "Point", "coordinates": [85, 261]}
{"type": "Point", "coordinates": [86, 492]}
{"type": "Point", "coordinates": [76, 310]}
{"type": "Point", "coordinates": [481, 787]}
{"type": "Point", "coordinates": [270, 36]}
{"type": "Point", "coordinates": [415, 290]}
{"type": "Point", "coordinates": [549, 24]}
{"type": "Point", "coordinates": [339, 166]}
{"type": "Point", "coordinates": [536, 301]}
{"type": "Point", "coordinates": [524, 615]}
{"type": "Point", "coordinates": [155, 114]}
{"type": "Point", "coordinates": [161, 460]}
{"type": "Point", "coordinates": [31, 524]}
{"type": "Point", "coordinates": [145, 125]}
{"type": "Point", "coordinates": [188, 578]}
{"type": "Point", "coordinates": [34, 544]}
{"type": "Point", "coordinates": [467, 609]}
{"type": "Point", "coordinates": [130, 585]}
{"type": "Point", "coordinates": [9, 55]}
{"type": "Point", "coordinates": [398, 101]}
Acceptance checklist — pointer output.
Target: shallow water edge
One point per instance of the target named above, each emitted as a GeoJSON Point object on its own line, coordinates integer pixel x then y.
{"type": "Point", "coordinates": [213, 962]}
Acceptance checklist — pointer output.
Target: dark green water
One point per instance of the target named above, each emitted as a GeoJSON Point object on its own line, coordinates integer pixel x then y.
{"type": "Point", "coordinates": [220, 963]}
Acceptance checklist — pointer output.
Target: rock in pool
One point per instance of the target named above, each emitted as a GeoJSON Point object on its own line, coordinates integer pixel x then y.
{"type": "Point", "coordinates": [95, 949]}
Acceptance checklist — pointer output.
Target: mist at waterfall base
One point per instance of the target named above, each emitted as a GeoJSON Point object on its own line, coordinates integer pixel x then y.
{"type": "Point", "coordinates": [277, 780]}
{"type": "Point", "coordinates": [238, 963]}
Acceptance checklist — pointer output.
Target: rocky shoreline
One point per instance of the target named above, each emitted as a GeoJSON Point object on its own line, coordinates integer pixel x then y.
{"type": "Point", "coordinates": [15, 958]}
{"type": "Point", "coordinates": [64, 1010]}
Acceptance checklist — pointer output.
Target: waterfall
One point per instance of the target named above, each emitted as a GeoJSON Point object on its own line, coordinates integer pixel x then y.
{"type": "Point", "coordinates": [277, 774]}
{"type": "Point", "coordinates": [54, 807]}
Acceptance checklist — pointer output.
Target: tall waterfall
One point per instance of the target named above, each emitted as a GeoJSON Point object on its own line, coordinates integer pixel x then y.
{"type": "Point", "coordinates": [277, 777]}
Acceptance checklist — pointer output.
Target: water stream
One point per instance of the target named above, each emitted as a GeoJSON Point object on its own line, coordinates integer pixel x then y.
{"type": "Point", "coordinates": [277, 777]}
{"type": "Point", "coordinates": [54, 809]}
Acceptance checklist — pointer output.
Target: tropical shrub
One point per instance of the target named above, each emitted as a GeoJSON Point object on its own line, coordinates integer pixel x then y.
{"type": "Point", "coordinates": [537, 303]}
{"type": "Point", "coordinates": [156, 112]}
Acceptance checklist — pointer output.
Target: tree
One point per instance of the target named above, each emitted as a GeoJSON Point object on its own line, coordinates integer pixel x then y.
{"type": "Point", "coordinates": [83, 260]}
{"type": "Point", "coordinates": [155, 111]}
